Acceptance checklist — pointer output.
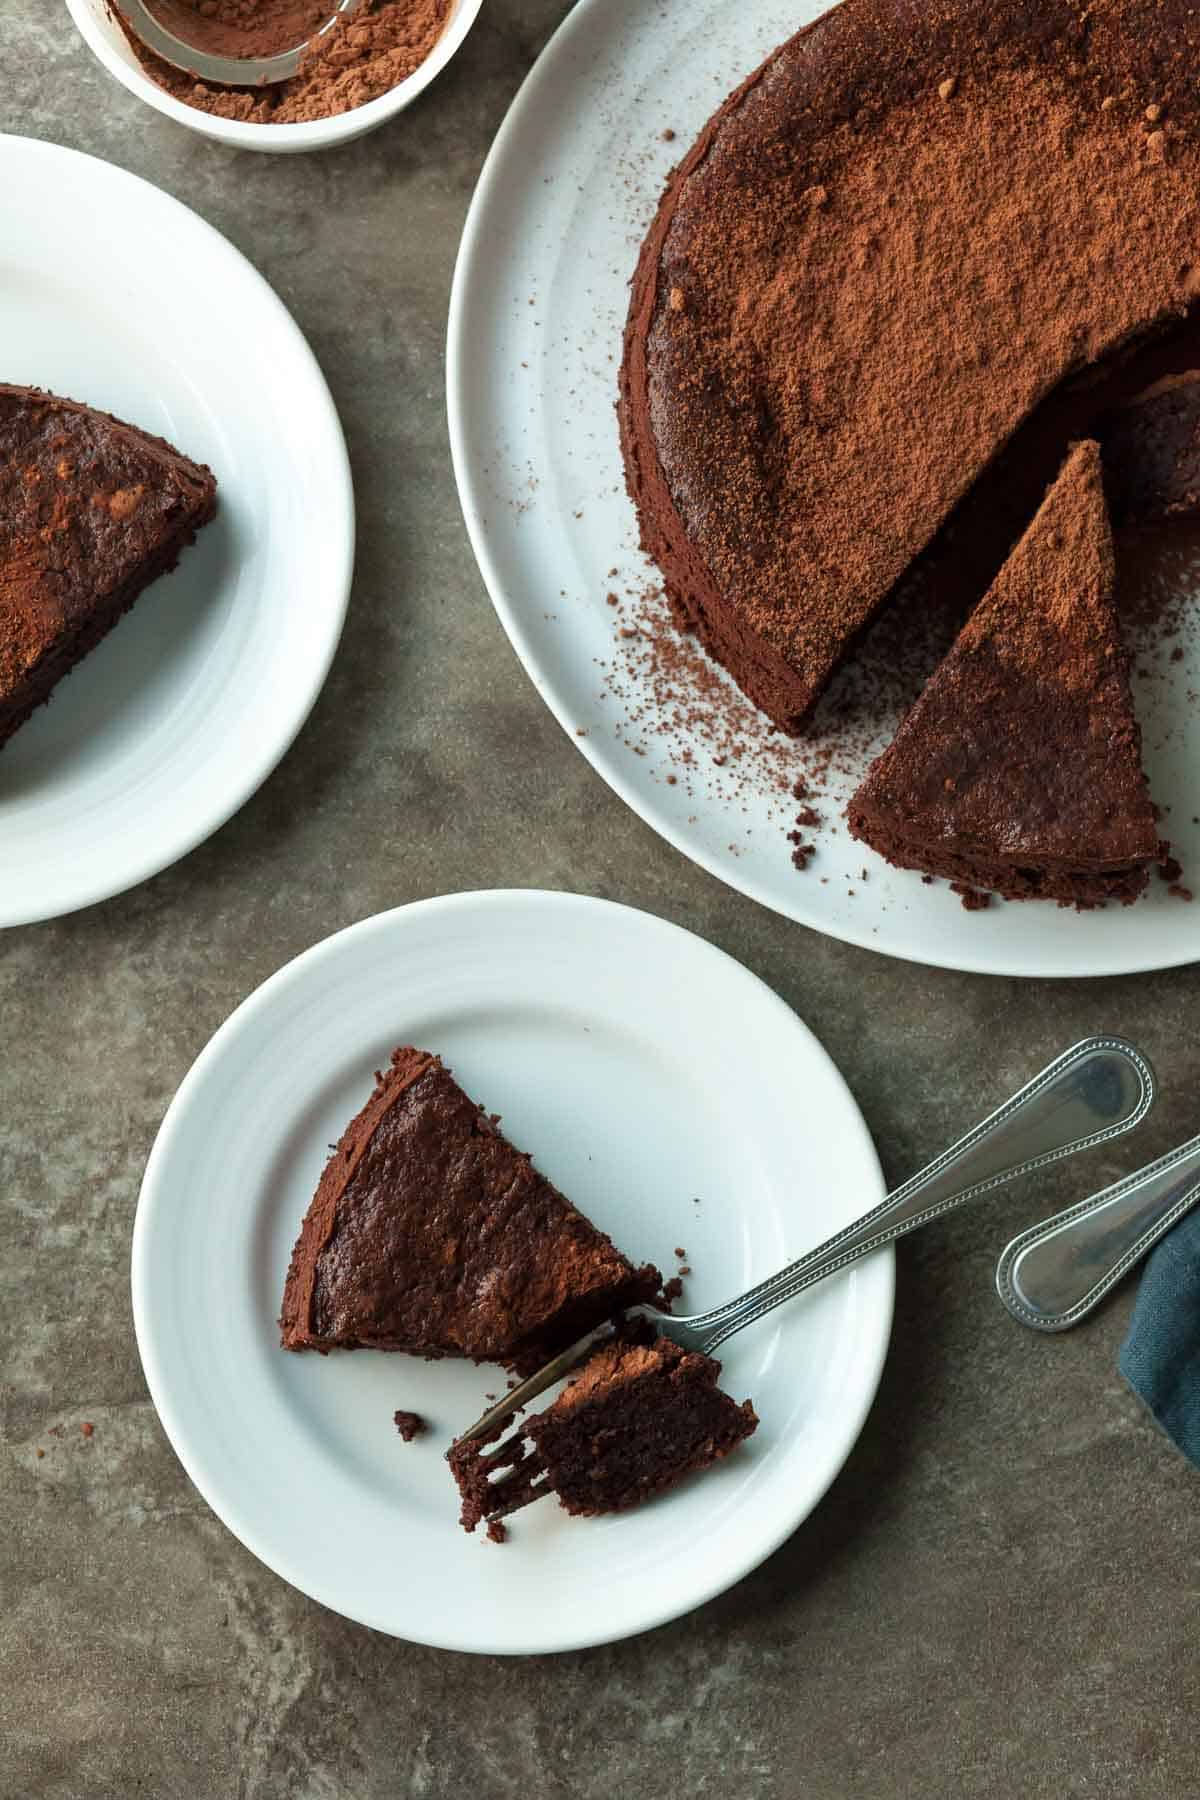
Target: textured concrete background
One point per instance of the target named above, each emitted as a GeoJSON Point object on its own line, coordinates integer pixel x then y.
{"type": "Point", "coordinates": [999, 1594]}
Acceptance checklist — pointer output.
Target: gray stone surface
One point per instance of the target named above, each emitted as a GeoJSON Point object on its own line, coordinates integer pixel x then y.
{"type": "Point", "coordinates": [999, 1594]}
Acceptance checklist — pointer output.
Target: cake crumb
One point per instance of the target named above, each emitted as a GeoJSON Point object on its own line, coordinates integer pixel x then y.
{"type": "Point", "coordinates": [1169, 869]}
{"type": "Point", "coordinates": [39, 1453]}
{"type": "Point", "coordinates": [972, 900]}
{"type": "Point", "coordinates": [409, 1425]}
{"type": "Point", "coordinates": [1179, 892]}
{"type": "Point", "coordinates": [668, 136]}
{"type": "Point", "coordinates": [672, 1289]}
{"type": "Point", "coordinates": [497, 1531]}
{"type": "Point", "coordinates": [948, 88]}
{"type": "Point", "coordinates": [87, 1427]}
{"type": "Point", "coordinates": [680, 1253]}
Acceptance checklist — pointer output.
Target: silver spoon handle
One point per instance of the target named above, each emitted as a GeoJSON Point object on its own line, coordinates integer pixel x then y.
{"type": "Point", "coordinates": [1091, 1093]}
{"type": "Point", "coordinates": [1053, 1275]}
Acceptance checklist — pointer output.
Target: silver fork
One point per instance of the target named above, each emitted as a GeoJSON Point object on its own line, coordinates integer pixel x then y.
{"type": "Point", "coordinates": [1095, 1091]}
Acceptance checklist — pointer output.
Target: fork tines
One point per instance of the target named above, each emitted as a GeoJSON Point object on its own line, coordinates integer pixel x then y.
{"type": "Point", "coordinates": [499, 1481]}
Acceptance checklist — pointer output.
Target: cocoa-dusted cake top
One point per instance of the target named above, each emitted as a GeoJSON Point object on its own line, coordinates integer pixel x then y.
{"type": "Point", "coordinates": [913, 222]}
{"type": "Point", "coordinates": [429, 1232]}
{"type": "Point", "coordinates": [1021, 759]}
{"type": "Point", "coordinates": [87, 506]}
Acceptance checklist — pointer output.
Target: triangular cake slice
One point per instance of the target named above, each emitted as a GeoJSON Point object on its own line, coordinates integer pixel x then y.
{"type": "Point", "coordinates": [430, 1233]}
{"type": "Point", "coordinates": [1019, 768]}
{"type": "Point", "coordinates": [638, 1419]}
{"type": "Point", "coordinates": [91, 512]}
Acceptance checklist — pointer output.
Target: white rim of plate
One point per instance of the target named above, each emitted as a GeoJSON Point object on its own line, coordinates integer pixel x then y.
{"type": "Point", "coordinates": [152, 1197]}
{"type": "Point", "coordinates": [473, 248]}
{"type": "Point", "coordinates": [341, 525]}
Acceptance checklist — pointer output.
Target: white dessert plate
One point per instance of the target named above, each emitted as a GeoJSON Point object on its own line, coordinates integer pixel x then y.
{"type": "Point", "coordinates": [114, 294]}
{"type": "Point", "coordinates": [671, 1095]}
{"type": "Point", "coordinates": [538, 307]}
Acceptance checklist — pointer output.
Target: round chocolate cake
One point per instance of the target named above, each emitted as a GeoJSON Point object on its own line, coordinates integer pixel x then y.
{"type": "Point", "coordinates": [914, 223]}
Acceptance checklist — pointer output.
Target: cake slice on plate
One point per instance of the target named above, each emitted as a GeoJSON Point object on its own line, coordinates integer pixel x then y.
{"type": "Point", "coordinates": [91, 512]}
{"type": "Point", "coordinates": [1019, 768]}
{"type": "Point", "coordinates": [637, 1420]}
{"type": "Point", "coordinates": [430, 1233]}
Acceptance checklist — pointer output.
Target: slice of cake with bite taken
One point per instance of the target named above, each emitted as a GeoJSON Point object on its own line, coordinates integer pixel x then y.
{"type": "Point", "coordinates": [91, 512]}
{"type": "Point", "coordinates": [1019, 768]}
{"type": "Point", "coordinates": [430, 1233]}
{"type": "Point", "coordinates": [639, 1418]}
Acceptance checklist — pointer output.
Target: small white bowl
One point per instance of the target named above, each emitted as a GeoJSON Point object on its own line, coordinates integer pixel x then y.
{"type": "Point", "coordinates": [108, 43]}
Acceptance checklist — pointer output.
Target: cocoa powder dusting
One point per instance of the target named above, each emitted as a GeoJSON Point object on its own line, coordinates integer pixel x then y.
{"type": "Point", "coordinates": [986, 235]}
{"type": "Point", "coordinates": [1009, 232]}
{"type": "Point", "coordinates": [381, 45]}
{"type": "Point", "coordinates": [242, 27]}
{"type": "Point", "coordinates": [676, 701]}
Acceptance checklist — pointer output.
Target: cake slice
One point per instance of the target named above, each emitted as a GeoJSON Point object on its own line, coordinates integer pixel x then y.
{"type": "Point", "coordinates": [635, 1422]}
{"type": "Point", "coordinates": [91, 512]}
{"type": "Point", "coordinates": [1019, 768]}
{"type": "Point", "coordinates": [1151, 451]}
{"type": "Point", "coordinates": [429, 1233]}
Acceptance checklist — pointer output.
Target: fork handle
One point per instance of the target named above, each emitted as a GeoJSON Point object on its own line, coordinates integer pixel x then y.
{"type": "Point", "coordinates": [1098, 1089]}
{"type": "Point", "coordinates": [1052, 1276]}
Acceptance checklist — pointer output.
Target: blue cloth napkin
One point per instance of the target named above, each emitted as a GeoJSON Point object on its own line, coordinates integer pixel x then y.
{"type": "Point", "coordinates": [1160, 1358]}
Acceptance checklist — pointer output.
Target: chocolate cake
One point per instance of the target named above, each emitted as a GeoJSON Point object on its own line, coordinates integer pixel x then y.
{"type": "Point", "coordinates": [901, 235]}
{"type": "Point", "coordinates": [1151, 451]}
{"type": "Point", "coordinates": [91, 512]}
{"type": "Point", "coordinates": [637, 1420]}
{"type": "Point", "coordinates": [430, 1233]}
{"type": "Point", "coordinates": [1018, 769]}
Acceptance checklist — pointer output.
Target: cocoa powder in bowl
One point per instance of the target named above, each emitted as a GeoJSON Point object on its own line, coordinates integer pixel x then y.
{"type": "Point", "coordinates": [359, 59]}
